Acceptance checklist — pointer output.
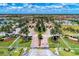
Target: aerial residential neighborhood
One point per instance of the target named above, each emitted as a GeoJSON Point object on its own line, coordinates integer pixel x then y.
{"type": "Point", "coordinates": [39, 35]}
{"type": "Point", "coordinates": [39, 29]}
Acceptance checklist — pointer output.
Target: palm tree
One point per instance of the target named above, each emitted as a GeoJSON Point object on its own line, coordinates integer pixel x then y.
{"type": "Point", "coordinates": [40, 27]}
{"type": "Point", "coordinates": [40, 38]}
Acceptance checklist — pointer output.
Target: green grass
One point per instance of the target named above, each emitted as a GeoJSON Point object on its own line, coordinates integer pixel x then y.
{"type": "Point", "coordinates": [21, 43]}
{"type": "Point", "coordinates": [53, 45]}
{"type": "Point", "coordinates": [1, 36]}
{"type": "Point", "coordinates": [69, 32]}
{"type": "Point", "coordinates": [66, 32]}
{"type": "Point", "coordinates": [61, 43]}
{"type": "Point", "coordinates": [64, 53]}
{"type": "Point", "coordinates": [5, 44]}
{"type": "Point", "coordinates": [16, 52]}
{"type": "Point", "coordinates": [73, 45]}
{"type": "Point", "coordinates": [70, 26]}
{"type": "Point", "coordinates": [52, 49]}
{"type": "Point", "coordinates": [24, 44]}
{"type": "Point", "coordinates": [3, 52]}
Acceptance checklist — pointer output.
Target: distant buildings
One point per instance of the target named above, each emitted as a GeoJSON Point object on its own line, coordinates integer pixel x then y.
{"type": "Point", "coordinates": [2, 33]}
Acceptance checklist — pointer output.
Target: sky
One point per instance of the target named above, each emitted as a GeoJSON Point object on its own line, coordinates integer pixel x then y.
{"type": "Point", "coordinates": [39, 8]}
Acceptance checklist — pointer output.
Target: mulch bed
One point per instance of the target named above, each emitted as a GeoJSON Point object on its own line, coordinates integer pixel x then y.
{"type": "Point", "coordinates": [8, 39]}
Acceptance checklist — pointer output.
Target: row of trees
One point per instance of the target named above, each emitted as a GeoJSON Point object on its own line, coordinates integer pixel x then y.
{"type": "Point", "coordinates": [56, 29]}
{"type": "Point", "coordinates": [71, 29]}
{"type": "Point", "coordinates": [40, 27]}
{"type": "Point", "coordinates": [18, 23]}
{"type": "Point", "coordinates": [6, 27]}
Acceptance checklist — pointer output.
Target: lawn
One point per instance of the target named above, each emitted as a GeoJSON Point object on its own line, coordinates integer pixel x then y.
{"type": "Point", "coordinates": [52, 45]}
{"type": "Point", "coordinates": [4, 47]}
{"type": "Point", "coordinates": [69, 32]}
{"type": "Point", "coordinates": [64, 53]}
{"type": "Point", "coordinates": [61, 44]}
{"type": "Point", "coordinates": [74, 45]}
{"type": "Point", "coordinates": [5, 44]}
{"type": "Point", "coordinates": [24, 44]}
{"type": "Point", "coordinates": [20, 45]}
{"type": "Point", "coordinates": [4, 52]}
{"type": "Point", "coordinates": [16, 52]}
{"type": "Point", "coordinates": [67, 26]}
{"type": "Point", "coordinates": [66, 32]}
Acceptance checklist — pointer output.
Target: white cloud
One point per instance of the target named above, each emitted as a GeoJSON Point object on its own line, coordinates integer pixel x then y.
{"type": "Point", "coordinates": [19, 7]}
{"type": "Point", "coordinates": [3, 4]}
{"type": "Point", "coordinates": [55, 6]}
{"type": "Point", "coordinates": [14, 8]}
{"type": "Point", "coordinates": [34, 7]}
{"type": "Point", "coordinates": [29, 6]}
{"type": "Point", "coordinates": [58, 7]}
{"type": "Point", "coordinates": [13, 4]}
{"type": "Point", "coordinates": [63, 3]}
{"type": "Point", "coordinates": [26, 4]}
{"type": "Point", "coordinates": [45, 7]}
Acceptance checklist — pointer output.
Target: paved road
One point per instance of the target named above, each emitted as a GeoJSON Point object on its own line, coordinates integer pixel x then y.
{"type": "Point", "coordinates": [46, 35]}
{"type": "Point", "coordinates": [40, 52]}
{"type": "Point", "coordinates": [34, 38]}
{"type": "Point", "coordinates": [25, 54]}
{"type": "Point", "coordinates": [44, 43]}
